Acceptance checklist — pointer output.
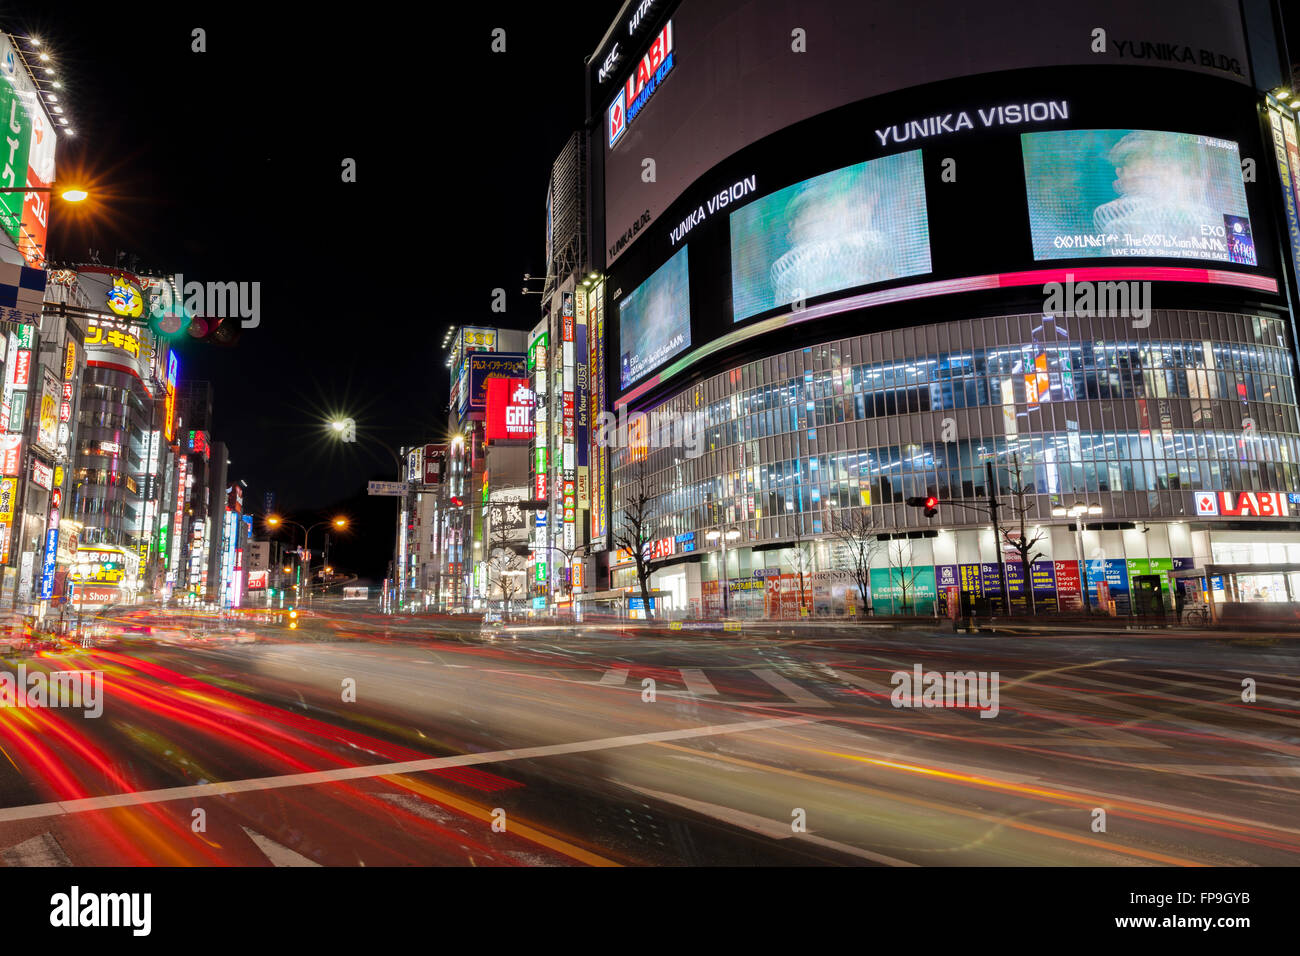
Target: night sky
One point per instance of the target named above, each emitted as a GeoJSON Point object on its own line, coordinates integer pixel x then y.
{"type": "Point", "coordinates": [225, 165]}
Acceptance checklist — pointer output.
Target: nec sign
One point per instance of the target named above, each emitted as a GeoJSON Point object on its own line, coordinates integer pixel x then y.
{"type": "Point", "coordinates": [641, 84]}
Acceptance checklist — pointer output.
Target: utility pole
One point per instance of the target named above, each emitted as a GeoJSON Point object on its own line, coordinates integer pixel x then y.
{"type": "Point", "coordinates": [997, 539]}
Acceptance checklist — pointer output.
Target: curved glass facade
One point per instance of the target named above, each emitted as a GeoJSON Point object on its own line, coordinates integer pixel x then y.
{"type": "Point", "coordinates": [1134, 419]}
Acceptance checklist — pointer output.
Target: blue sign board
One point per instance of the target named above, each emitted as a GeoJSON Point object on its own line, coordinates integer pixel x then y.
{"type": "Point", "coordinates": [49, 564]}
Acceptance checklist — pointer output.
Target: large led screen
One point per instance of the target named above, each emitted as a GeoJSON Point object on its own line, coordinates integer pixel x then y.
{"type": "Point", "coordinates": [1124, 192]}
{"type": "Point", "coordinates": [654, 320]}
{"type": "Point", "coordinates": [851, 227]}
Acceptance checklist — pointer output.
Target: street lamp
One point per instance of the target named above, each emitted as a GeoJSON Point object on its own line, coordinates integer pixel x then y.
{"type": "Point", "coordinates": [275, 521]}
{"type": "Point", "coordinates": [1077, 511]}
{"type": "Point", "coordinates": [731, 534]}
{"type": "Point", "coordinates": [71, 194]}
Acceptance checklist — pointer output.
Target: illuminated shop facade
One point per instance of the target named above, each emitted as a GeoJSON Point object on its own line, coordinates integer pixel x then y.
{"type": "Point", "coordinates": [886, 284]}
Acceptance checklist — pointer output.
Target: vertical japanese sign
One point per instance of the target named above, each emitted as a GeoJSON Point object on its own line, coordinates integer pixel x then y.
{"type": "Point", "coordinates": [178, 524]}
{"type": "Point", "coordinates": [27, 158]}
{"type": "Point", "coordinates": [50, 560]}
{"type": "Point", "coordinates": [169, 406]}
{"type": "Point", "coordinates": [8, 500]}
{"type": "Point", "coordinates": [1285, 146]}
{"type": "Point", "coordinates": [568, 463]}
{"type": "Point", "coordinates": [47, 426]}
{"type": "Point", "coordinates": [599, 460]}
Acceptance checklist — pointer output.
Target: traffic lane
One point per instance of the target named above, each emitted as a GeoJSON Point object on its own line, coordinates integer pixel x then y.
{"type": "Point", "coordinates": [618, 700]}
{"type": "Point", "coordinates": [157, 735]}
{"type": "Point", "coordinates": [930, 756]}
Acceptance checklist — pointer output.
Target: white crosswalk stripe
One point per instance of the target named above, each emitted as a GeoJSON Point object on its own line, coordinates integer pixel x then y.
{"type": "Point", "coordinates": [792, 690]}
{"type": "Point", "coordinates": [697, 683]}
{"type": "Point", "coordinates": [614, 677]}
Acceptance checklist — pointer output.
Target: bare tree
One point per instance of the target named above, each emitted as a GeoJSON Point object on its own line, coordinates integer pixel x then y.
{"type": "Point", "coordinates": [1023, 500]}
{"type": "Point", "coordinates": [856, 533]}
{"type": "Point", "coordinates": [901, 568]}
{"type": "Point", "coordinates": [800, 560]}
{"type": "Point", "coordinates": [632, 534]}
{"type": "Point", "coordinates": [506, 563]}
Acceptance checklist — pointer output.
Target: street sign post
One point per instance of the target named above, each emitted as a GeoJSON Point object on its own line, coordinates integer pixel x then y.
{"type": "Point", "coordinates": [394, 489]}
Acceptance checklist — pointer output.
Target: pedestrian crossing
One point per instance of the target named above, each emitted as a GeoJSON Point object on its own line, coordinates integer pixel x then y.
{"type": "Point", "coordinates": [731, 685]}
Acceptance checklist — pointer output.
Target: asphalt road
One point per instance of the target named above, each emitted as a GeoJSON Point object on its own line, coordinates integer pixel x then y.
{"type": "Point", "coordinates": [360, 740]}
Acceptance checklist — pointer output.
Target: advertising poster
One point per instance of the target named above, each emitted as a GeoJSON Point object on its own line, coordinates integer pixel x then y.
{"type": "Point", "coordinates": [971, 580]}
{"type": "Point", "coordinates": [654, 320]}
{"type": "Point", "coordinates": [1042, 579]}
{"type": "Point", "coordinates": [1115, 575]}
{"type": "Point", "coordinates": [599, 455]}
{"type": "Point", "coordinates": [1287, 152]}
{"type": "Point", "coordinates": [10, 459]}
{"type": "Point", "coordinates": [1122, 192]}
{"type": "Point", "coordinates": [484, 366]}
{"type": "Point", "coordinates": [850, 227]}
{"type": "Point", "coordinates": [31, 141]}
{"type": "Point", "coordinates": [47, 427]}
{"type": "Point", "coordinates": [1159, 566]}
{"type": "Point", "coordinates": [510, 404]}
{"type": "Point", "coordinates": [1016, 582]}
{"type": "Point", "coordinates": [582, 415]}
{"type": "Point", "coordinates": [887, 587]}
{"type": "Point", "coordinates": [991, 579]}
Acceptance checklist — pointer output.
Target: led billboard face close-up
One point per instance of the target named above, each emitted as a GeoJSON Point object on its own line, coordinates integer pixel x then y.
{"type": "Point", "coordinates": [654, 320]}
{"type": "Point", "coordinates": [850, 227]}
{"type": "Point", "coordinates": [1120, 192]}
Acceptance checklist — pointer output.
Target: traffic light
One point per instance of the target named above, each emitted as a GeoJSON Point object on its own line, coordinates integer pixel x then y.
{"type": "Point", "coordinates": [930, 504]}
{"type": "Point", "coordinates": [293, 618]}
{"type": "Point", "coordinates": [214, 331]}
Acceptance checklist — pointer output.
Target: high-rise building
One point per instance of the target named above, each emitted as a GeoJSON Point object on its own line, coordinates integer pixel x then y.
{"type": "Point", "coordinates": [1004, 255]}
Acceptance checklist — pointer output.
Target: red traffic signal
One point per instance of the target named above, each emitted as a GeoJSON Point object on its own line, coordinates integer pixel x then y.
{"type": "Point", "coordinates": [930, 504]}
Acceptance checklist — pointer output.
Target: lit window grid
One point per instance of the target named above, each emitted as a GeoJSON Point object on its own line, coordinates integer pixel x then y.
{"type": "Point", "coordinates": [792, 450]}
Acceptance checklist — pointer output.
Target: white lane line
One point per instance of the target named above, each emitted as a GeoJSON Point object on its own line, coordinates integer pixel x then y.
{"type": "Point", "coordinates": [874, 686]}
{"type": "Point", "coordinates": [696, 682]}
{"type": "Point", "coordinates": [792, 690]}
{"type": "Point", "coordinates": [278, 853]}
{"type": "Point", "coordinates": [313, 778]}
{"type": "Point", "coordinates": [614, 677]}
{"type": "Point", "coordinates": [773, 829]}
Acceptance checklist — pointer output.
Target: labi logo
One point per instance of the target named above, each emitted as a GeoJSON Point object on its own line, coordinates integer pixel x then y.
{"type": "Point", "coordinates": [75, 908]}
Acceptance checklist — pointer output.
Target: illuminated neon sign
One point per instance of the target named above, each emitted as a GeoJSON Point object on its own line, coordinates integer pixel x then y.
{"type": "Point", "coordinates": [125, 299]}
{"type": "Point", "coordinates": [641, 84]}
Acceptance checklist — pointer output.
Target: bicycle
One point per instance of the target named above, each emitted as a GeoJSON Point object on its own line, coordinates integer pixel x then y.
{"type": "Point", "coordinates": [1200, 614]}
